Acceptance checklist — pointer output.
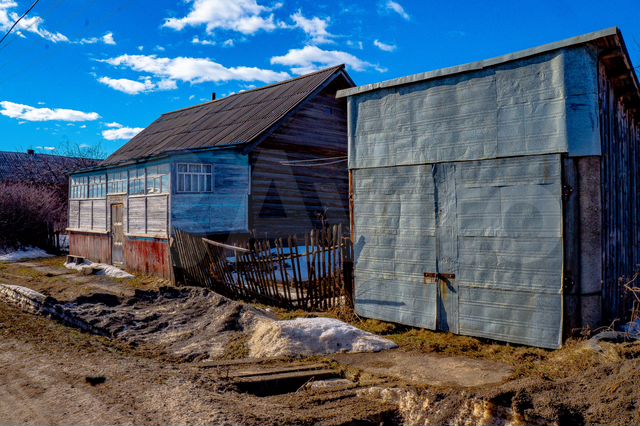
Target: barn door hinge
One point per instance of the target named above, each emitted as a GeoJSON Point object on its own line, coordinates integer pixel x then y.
{"type": "Point", "coordinates": [567, 190]}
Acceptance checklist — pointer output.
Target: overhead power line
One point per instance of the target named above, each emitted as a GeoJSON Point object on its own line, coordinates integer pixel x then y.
{"type": "Point", "coordinates": [18, 20]}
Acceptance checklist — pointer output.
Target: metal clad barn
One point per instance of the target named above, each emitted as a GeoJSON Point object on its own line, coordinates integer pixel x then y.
{"type": "Point", "coordinates": [477, 201]}
{"type": "Point", "coordinates": [223, 168]}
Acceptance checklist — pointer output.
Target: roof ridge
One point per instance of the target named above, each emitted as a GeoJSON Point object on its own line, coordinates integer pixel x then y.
{"type": "Point", "coordinates": [269, 86]}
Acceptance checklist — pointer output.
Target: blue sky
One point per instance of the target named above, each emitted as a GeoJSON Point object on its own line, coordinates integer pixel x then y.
{"type": "Point", "coordinates": [87, 72]}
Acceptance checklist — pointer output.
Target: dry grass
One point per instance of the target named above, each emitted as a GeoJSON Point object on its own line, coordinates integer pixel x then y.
{"type": "Point", "coordinates": [57, 261]}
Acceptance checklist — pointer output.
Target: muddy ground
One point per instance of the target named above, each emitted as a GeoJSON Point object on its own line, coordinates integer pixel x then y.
{"type": "Point", "coordinates": [53, 374]}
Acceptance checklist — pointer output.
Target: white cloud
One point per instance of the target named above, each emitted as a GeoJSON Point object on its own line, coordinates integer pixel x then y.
{"type": "Point", "coordinates": [229, 43]}
{"type": "Point", "coordinates": [197, 40]}
{"type": "Point", "coordinates": [29, 24]}
{"type": "Point", "coordinates": [243, 16]}
{"type": "Point", "coordinates": [312, 58]}
{"type": "Point", "coordinates": [46, 148]}
{"type": "Point", "coordinates": [84, 126]}
{"type": "Point", "coordinates": [384, 46]}
{"type": "Point", "coordinates": [166, 85]}
{"type": "Point", "coordinates": [397, 8]}
{"type": "Point", "coordinates": [194, 70]}
{"type": "Point", "coordinates": [355, 44]}
{"type": "Point", "coordinates": [159, 48]}
{"type": "Point", "coordinates": [141, 48]}
{"type": "Point", "coordinates": [130, 87]}
{"type": "Point", "coordinates": [106, 39]}
{"type": "Point", "coordinates": [123, 133]}
{"type": "Point", "coordinates": [316, 28]}
{"type": "Point", "coordinates": [114, 125]}
{"type": "Point", "coordinates": [29, 113]}
{"type": "Point", "coordinates": [84, 146]}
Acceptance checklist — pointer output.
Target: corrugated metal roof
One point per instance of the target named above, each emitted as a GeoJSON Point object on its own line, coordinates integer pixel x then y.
{"type": "Point", "coordinates": [234, 120]}
{"type": "Point", "coordinates": [475, 66]}
{"type": "Point", "coordinates": [39, 168]}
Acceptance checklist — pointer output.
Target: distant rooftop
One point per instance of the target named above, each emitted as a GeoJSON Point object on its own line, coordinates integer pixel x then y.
{"type": "Point", "coordinates": [39, 168]}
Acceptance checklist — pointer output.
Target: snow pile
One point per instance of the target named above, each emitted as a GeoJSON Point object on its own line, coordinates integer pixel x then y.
{"type": "Point", "coordinates": [23, 254]}
{"type": "Point", "coordinates": [88, 267]}
{"type": "Point", "coordinates": [312, 336]}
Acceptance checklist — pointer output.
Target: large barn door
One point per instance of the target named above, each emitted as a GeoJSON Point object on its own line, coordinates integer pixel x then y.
{"type": "Point", "coordinates": [446, 247]}
{"type": "Point", "coordinates": [117, 234]}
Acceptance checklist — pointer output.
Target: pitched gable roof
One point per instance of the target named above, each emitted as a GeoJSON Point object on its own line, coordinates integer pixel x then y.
{"type": "Point", "coordinates": [237, 119]}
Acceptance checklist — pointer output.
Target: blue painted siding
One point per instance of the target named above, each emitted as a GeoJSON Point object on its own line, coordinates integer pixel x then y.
{"type": "Point", "coordinates": [223, 210]}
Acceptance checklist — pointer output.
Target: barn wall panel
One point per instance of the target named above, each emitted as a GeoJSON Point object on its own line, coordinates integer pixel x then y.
{"type": "Point", "coordinates": [148, 256]}
{"type": "Point", "coordinates": [95, 247]}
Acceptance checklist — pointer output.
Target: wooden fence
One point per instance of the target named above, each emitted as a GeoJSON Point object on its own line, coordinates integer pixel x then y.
{"type": "Point", "coordinates": [310, 274]}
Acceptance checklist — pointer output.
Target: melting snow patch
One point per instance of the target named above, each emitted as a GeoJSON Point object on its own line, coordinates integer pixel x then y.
{"type": "Point", "coordinates": [89, 267]}
{"type": "Point", "coordinates": [312, 336]}
{"type": "Point", "coordinates": [23, 254]}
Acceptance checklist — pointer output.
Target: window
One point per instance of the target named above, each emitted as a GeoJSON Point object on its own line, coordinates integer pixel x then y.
{"type": "Point", "coordinates": [136, 181]}
{"type": "Point", "coordinates": [97, 186]}
{"type": "Point", "coordinates": [79, 187]}
{"type": "Point", "coordinates": [194, 177]}
{"type": "Point", "coordinates": [158, 179]}
{"type": "Point", "coordinates": [117, 183]}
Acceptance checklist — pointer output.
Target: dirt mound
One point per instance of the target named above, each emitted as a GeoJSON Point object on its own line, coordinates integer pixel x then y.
{"type": "Point", "coordinates": [190, 323]}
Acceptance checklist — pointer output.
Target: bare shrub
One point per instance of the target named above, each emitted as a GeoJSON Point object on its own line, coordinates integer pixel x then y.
{"type": "Point", "coordinates": [30, 214]}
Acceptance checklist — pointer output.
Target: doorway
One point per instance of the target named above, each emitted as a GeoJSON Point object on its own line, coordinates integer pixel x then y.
{"type": "Point", "coordinates": [117, 234]}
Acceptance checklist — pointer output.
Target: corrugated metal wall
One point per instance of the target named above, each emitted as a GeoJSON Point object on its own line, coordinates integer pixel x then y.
{"type": "Point", "coordinates": [499, 228]}
{"type": "Point", "coordinates": [461, 176]}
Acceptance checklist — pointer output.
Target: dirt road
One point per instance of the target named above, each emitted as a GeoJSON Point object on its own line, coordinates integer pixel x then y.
{"type": "Point", "coordinates": [53, 374]}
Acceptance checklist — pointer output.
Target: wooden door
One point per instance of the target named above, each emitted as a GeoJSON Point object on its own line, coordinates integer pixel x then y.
{"type": "Point", "coordinates": [117, 234]}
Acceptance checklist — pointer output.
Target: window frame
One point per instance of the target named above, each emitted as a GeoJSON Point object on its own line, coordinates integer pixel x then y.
{"type": "Point", "coordinates": [79, 187]}
{"type": "Point", "coordinates": [121, 183]}
{"type": "Point", "coordinates": [97, 186]}
{"type": "Point", "coordinates": [194, 177]}
{"type": "Point", "coordinates": [135, 180]}
{"type": "Point", "coordinates": [158, 176]}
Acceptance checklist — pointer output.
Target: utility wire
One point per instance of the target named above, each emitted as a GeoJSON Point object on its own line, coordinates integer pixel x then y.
{"type": "Point", "coordinates": [18, 20]}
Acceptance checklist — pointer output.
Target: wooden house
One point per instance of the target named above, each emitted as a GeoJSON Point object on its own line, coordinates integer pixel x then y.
{"type": "Point", "coordinates": [270, 160]}
{"type": "Point", "coordinates": [500, 198]}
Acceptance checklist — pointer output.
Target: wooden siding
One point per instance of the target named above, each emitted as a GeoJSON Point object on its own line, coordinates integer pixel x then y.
{"type": "Point", "coordinates": [288, 198]}
{"type": "Point", "coordinates": [136, 210]}
{"type": "Point", "coordinates": [224, 209]}
{"type": "Point", "coordinates": [85, 214]}
{"type": "Point", "coordinates": [620, 171]}
{"type": "Point", "coordinates": [74, 214]}
{"type": "Point", "coordinates": [95, 247]}
{"type": "Point", "coordinates": [148, 256]}
{"type": "Point", "coordinates": [157, 215]}
{"type": "Point", "coordinates": [99, 215]}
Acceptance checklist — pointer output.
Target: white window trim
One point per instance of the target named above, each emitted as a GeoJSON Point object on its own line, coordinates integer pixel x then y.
{"type": "Point", "coordinates": [211, 177]}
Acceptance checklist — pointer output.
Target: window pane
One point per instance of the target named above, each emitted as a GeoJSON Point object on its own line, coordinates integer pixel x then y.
{"type": "Point", "coordinates": [165, 183]}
